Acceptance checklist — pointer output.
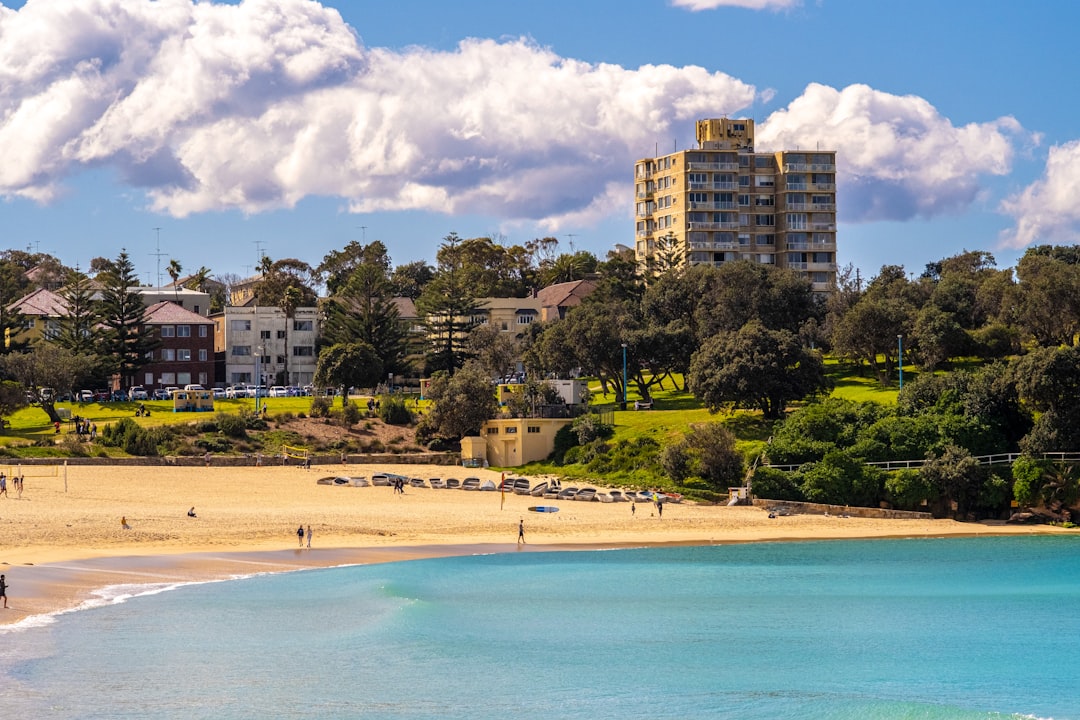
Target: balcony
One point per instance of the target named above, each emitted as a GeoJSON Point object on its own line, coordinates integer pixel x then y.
{"type": "Point", "coordinates": [823, 226]}
{"type": "Point", "coordinates": [823, 207]}
{"type": "Point", "coordinates": [714, 167]}
{"type": "Point", "coordinates": [831, 267]}
{"type": "Point", "coordinates": [796, 167]}
{"type": "Point", "coordinates": [645, 194]}
{"type": "Point", "coordinates": [712, 206]}
{"type": "Point", "coordinates": [797, 246]}
{"type": "Point", "coordinates": [725, 186]}
{"type": "Point", "coordinates": [798, 206]}
{"type": "Point", "coordinates": [822, 186]}
{"type": "Point", "coordinates": [796, 187]}
{"type": "Point", "coordinates": [714, 246]}
{"type": "Point", "coordinates": [823, 168]}
{"type": "Point", "coordinates": [796, 265]}
{"type": "Point", "coordinates": [712, 226]}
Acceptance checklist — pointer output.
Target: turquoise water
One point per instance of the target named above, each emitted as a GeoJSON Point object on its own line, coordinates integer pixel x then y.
{"type": "Point", "coordinates": [954, 628]}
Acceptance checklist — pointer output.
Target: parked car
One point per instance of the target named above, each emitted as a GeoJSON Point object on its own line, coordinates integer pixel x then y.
{"type": "Point", "coordinates": [278, 391]}
{"type": "Point", "coordinates": [219, 393]}
{"type": "Point", "coordinates": [138, 392]}
{"type": "Point", "coordinates": [118, 396]}
{"type": "Point", "coordinates": [86, 396]}
{"type": "Point", "coordinates": [194, 386]}
{"type": "Point", "coordinates": [162, 394]}
{"type": "Point", "coordinates": [102, 395]}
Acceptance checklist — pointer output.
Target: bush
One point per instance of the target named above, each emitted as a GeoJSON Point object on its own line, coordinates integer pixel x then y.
{"type": "Point", "coordinates": [320, 407]}
{"type": "Point", "coordinates": [232, 426]}
{"type": "Point", "coordinates": [392, 410]}
{"type": "Point", "coordinates": [589, 428]}
{"type": "Point", "coordinates": [565, 440]}
{"type": "Point", "coordinates": [350, 414]}
{"type": "Point", "coordinates": [772, 484]}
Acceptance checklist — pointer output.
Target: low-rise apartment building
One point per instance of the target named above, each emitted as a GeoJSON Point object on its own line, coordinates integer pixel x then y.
{"type": "Point", "coordinates": [260, 345]}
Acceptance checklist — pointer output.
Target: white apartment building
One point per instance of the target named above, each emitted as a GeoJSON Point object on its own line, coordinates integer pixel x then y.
{"type": "Point", "coordinates": [259, 345]}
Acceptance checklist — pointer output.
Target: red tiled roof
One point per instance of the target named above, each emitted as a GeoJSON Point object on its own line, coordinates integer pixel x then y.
{"type": "Point", "coordinates": [41, 302]}
{"type": "Point", "coordinates": [567, 294]}
{"type": "Point", "coordinates": [168, 313]}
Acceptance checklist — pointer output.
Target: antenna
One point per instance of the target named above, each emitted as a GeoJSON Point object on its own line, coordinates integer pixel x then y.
{"type": "Point", "coordinates": [571, 236]}
{"type": "Point", "coordinates": [363, 234]}
{"type": "Point", "coordinates": [259, 249]}
{"type": "Point", "coordinates": [158, 254]}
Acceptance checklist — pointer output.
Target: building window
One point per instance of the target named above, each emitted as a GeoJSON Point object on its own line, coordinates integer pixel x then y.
{"type": "Point", "coordinates": [241, 350]}
{"type": "Point", "coordinates": [183, 331]}
{"type": "Point", "coordinates": [525, 319]}
{"type": "Point", "coordinates": [202, 331]}
{"type": "Point", "coordinates": [168, 331]}
{"type": "Point", "coordinates": [264, 334]}
{"type": "Point", "coordinates": [796, 221]}
{"type": "Point", "coordinates": [240, 324]}
{"type": "Point", "coordinates": [183, 378]}
{"type": "Point", "coordinates": [167, 379]}
{"type": "Point", "coordinates": [511, 431]}
{"type": "Point", "coordinates": [766, 239]}
{"type": "Point", "coordinates": [303, 325]}
{"type": "Point", "coordinates": [280, 359]}
{"type": "Point", "coordinates": [764, 181]}
{"type": "Point", "coordinates": [493, 431]}
{"type": "Point", "coordinates": [280, 334]}
{"type": "Point", "coordinates": [149, 378]}
{"type": "Point", "coordinates": [534, 429]}
{"type": "Point", "coordinates": [168, 354]}
{"type": "Point", "coordinates": [763, 161]}
{"type": "Point", "coordinates": [183, 355]}
{"type": "Point", "coordinates": [303, 351]}
{"type": "Point", "coordinates": [819, 277]}
{"type": "Point", "coordinates": [202, 354]}
{"type": "Point", "coordinates": [765, 220]}
{"type": "Point", "coordinates": [202, 379]}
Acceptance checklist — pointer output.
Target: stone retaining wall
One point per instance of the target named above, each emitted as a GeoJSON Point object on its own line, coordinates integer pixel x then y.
{"type": "Point", "coordinates": [805, 508]}
{"type": "Point", "coordinates": [242, 461]}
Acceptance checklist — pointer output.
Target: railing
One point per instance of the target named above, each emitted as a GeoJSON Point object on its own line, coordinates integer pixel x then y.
{"type": "Point", "coordinates": [796, 187]}
{"type": "Point", "coordinates": [714, 246]}
{"type": "Point", "coordinates": [824, 207]}
{"type": "Point", "coordinates": [822, 186]}
{"type": "Point", "coordinates": [823, 226]}
{"type": "Point", "coordinates": [725, 186]}
{"type": "Point", "coordinates": [712, 206]}
{"type": "Point", "coordinates": [798, 206]}
{"type": "Point", "coordinates": [715, 167]}
{"type": "Point", "coordinates": [712, 225]}
{"type": "Point", "coordinates": [994, 459]}
{"type": "Point", "coordinates": [795, 265]}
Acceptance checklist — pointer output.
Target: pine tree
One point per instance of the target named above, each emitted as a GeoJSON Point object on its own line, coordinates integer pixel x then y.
{"type": "Point", "coordinates": [448, 308]}
{"type": "Point", "coordinates": [79, 331]}
{"type": "Point", "coordinates": [125, 339]}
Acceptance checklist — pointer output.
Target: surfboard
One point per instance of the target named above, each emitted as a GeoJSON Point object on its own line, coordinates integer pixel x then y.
{"type": "Point", "coordinates": [543, 508]}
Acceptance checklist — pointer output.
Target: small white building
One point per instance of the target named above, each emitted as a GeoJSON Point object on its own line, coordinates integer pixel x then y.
{"type": "Point", "coordinates": [259, 345]}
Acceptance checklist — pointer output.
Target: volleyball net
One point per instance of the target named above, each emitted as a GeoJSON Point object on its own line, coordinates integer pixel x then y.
{"type": "Point", "coordinates": [39, 471]}
{"type": "Point", "coordinates": [294, 452]}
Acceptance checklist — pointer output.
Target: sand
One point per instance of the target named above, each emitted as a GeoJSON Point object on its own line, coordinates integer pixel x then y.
{"type": "Point", "coordinates": [63, 539]}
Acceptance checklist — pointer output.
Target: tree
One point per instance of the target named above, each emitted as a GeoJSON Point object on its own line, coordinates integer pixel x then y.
{"type": "Point", "coordinates": [362, 309]}
{"type": "Point", "coordinates": [707, 451]}
{"type": "Point", "coordinates": [955, 478]}
{"type": "Point", "coordinates": [45, 370]}
{"type": "Point", "coordinates": [286, 284]}
{"type": "Point", "coordinates": [449, 308]}
{"type": "Point", "coordinates": [1048, 381]}
{"type": "Point", "coordinates": [174, 269]}
{"type": "Point", "coordinates": [839, 479]}
{"type": "Point", "coordinates": [1049, 298]}
{"type": "Point", "coordinates": [460, 404]}
{"type": "Point", "coordinates": [409, 280]}
{"type": "Point", "coordinates": [79, 329]}
{"type": "Point", "coordinates": [494, 351]}
{"type": "Point", "coordinates": [12, 397]}
{"type": "Point", "coordinates": [346, 365]}
{"type": "Point", "coordinates": [755, 367]}
{"type": "Point", "coordinates": [125, 339]}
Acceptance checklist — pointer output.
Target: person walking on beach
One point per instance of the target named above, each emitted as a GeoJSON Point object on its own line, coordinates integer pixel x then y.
{"type": "Point", "coordinates": [3, 590]}
{"type": "Point", "coordinates": [300, 535]}
{"type": "Point", "coordinates": [309, 536]}
{"type": "Point", "coordinates": [633, 508]}
{"type": "Point", "coordinates": [3, 485]}
{"type": "Point", "coordinates": [660, 509]}
{"type": "Point", "coordinates": [521, 530]}
{"type": "Point", "coordinates": [124, 523]}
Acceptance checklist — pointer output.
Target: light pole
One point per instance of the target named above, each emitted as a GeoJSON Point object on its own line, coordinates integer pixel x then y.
{"type": "Point", "coordinates": [624, 376]}
{"type": "Point", "coordinates": [258, 376]}
{"type": "Point", "coordinates": [900, 345]}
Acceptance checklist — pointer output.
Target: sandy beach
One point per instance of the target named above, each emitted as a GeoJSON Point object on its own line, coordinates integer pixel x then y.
{"type": "Point", "coordinates": [63, 539]}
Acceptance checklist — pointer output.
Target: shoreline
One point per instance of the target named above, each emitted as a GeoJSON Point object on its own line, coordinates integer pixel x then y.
{"type": "Point", "coordinates": [61, 544]}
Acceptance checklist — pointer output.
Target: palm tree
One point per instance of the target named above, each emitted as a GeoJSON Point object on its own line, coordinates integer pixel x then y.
{"type": "Point", "coordinates": [174, 271]}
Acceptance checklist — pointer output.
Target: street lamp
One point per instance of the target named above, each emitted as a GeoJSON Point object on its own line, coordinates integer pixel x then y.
{"type": "Point", "coordinates": [258, 376]}
{"type": "Point", "coordinates": [900, 345]}
{"type": "Point", "coordinates": [624, 376]}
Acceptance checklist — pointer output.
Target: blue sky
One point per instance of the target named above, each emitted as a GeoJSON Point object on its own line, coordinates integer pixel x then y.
{"type": "Point", "coordinates": [210, 133]}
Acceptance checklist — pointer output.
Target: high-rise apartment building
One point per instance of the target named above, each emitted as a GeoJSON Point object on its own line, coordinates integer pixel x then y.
{"type": "Point", "coordinates": [722, 202]}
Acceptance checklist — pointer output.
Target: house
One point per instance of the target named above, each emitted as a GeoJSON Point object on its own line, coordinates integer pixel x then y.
{"type": "Point", "coordinates": [42, 310]}
{"type": "Point", "coordinates": [260, 345]}
{"type": "Point", "coordinates": [556, 300]}
{"type": "Point", "coordinates": [185, 347]}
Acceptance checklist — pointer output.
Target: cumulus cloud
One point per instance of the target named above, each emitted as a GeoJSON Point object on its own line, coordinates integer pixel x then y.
{"type": "Point", "coordinates": [257, 105]}
{"type": "Point", "coordinates": [698, 5]}
{"type": "Point", "coordinates": [1047, 211]}
{"type": "Point", "coordinates": [898, 158]}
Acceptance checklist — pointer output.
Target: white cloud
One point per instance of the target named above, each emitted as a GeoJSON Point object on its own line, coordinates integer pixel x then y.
{"type": "Point", "coordinates": [897, 157]}
{"type": "Point", "coordinates": [1047, 211]}
{"type": "Point", "coordinates": [697, 5]}
{"type": "Point", "coordinates": [258, 105]}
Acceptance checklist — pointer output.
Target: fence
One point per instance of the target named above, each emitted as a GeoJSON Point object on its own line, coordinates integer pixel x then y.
{"type": "Point", "coordinates": [995, 459]}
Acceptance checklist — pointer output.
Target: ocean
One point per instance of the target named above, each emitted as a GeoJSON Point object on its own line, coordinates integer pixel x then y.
{"type": "Point", "coordinates": [923, 628]}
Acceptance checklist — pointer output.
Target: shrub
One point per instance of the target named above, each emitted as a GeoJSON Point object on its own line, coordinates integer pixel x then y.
{"type": "Point", "coordinates": [320, 407]}
{"type": "Point", "coordinates": [231, 425]}
{"type": "Point", "coordinates": [565, 440]}
{"type": "Point", "coordinates": [350, 414]}
{"type": "Point", "coordinates": [588, 428]}
{"type": "Point", "coordinates": [392, 410]}
{"type": "Point", "coordinates": [773, 484]}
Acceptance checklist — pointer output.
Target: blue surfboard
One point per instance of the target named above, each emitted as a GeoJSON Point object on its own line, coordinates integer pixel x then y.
{"type": "Point", "coordinates": [543, 508]}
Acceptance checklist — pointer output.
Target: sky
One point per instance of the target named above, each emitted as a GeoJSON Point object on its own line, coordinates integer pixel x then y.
{"type": "Point", "coordinates": [215, 132]}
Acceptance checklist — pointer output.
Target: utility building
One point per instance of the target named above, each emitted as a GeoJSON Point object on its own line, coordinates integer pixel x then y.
{"type": "Point", "coordinates": [723, 202]}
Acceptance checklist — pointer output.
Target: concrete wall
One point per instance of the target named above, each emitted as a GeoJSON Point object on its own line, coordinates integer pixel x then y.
{"type": "Point", "coordinates": [804, 508]}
